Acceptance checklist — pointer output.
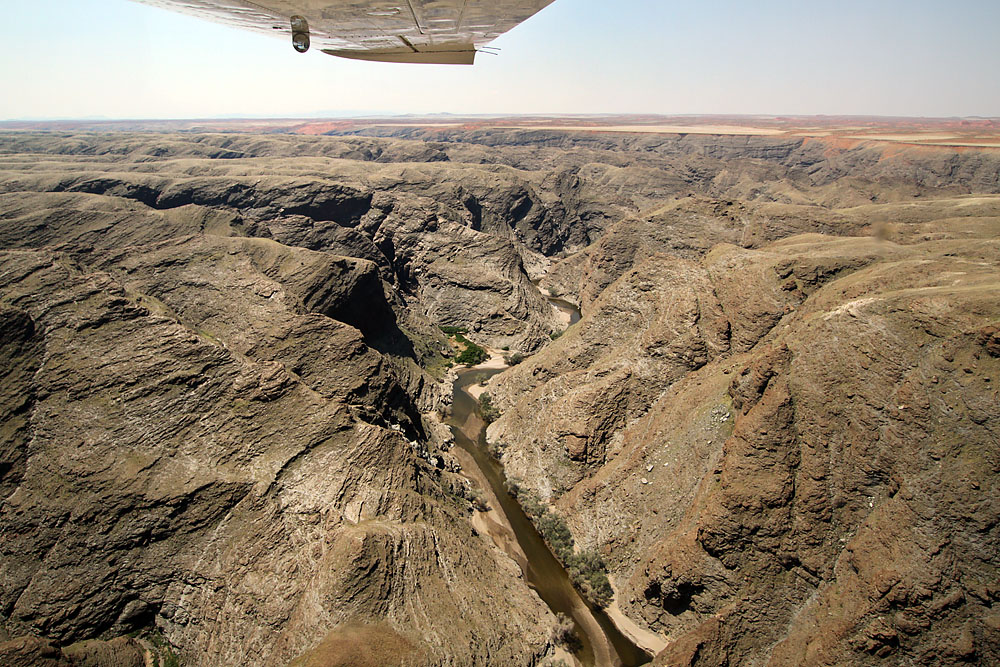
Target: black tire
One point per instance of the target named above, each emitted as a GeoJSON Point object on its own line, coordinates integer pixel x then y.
{"type": "Point", "coordinates": [300, 41]}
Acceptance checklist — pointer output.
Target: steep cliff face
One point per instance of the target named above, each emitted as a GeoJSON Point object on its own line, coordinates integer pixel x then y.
{"type": "Point", "coordinates": [196, 435]}
{"type": "Point", "coordinates": [651, 327]}
{"type": "Point", "coordinates": [454, 240]}
{"type": "Point", "coordinates": [815, 483]}
{"type": "Point", "coordinates": [429, 213]}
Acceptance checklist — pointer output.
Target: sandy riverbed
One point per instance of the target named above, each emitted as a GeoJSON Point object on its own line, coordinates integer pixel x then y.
{"type": "Point", "coordinates": [495, 361]}
{"type": "Point", "coordinates": [641, 637]}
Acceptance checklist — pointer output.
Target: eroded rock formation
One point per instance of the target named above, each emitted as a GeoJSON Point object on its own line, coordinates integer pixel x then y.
{"type": "Point", "coordinates": [777, 420]}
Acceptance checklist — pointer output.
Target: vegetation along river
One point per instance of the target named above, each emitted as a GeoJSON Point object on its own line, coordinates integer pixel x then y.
{"type": "Point", "coordinates": [601, 641]}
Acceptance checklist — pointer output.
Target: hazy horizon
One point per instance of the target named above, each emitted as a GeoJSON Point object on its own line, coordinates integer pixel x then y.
{"type": "Point", "coordinates": [376, 115]}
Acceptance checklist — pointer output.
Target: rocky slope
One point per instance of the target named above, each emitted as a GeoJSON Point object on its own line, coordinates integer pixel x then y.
{"type": "Point", "coordinates": [777, 420]}
{"type": "Point", "coordinates": [442, 235]}
{"type": "Point", "coordinates": [199, 433]}
{"type": "Point", "coordinates": [788, 455]}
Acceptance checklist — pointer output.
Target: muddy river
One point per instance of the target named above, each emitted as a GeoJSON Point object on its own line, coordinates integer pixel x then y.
{"type": "Point", "coordinates": [602, 642]}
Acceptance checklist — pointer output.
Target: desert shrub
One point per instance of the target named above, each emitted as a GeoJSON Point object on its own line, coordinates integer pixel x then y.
{"type": "Point", "coordinates": [472, 354]}
{"type": "Point", "coordinates": [564, 634]}
{"type": "Point", "coordinates": [489, 411]}
{"type": "Point", "coordinates": [513, 359]}
{"type": "Point", "coordinates": [556, 533]}
{"type": "Point", "coordinates": [589, 574]}
{"type": "Point", "coordinates": [528, 499]}
{"type": "Point", "coordinates": [162, 650]}
{"type": "Point", "coordinates": [478, 500]}
{"type": "Point", "coordinates": [586, 569]}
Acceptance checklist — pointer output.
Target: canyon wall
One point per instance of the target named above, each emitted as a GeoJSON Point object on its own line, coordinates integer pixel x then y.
{"type": "Point", "coordinates": [223, 375]}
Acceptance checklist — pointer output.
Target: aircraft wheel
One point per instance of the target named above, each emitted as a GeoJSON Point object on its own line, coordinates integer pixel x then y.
{"type": "Point", "coordinates": [300, 34]}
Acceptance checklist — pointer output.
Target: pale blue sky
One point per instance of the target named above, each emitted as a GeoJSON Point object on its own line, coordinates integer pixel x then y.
{"type": "Point", "coordinates": [119, 59]}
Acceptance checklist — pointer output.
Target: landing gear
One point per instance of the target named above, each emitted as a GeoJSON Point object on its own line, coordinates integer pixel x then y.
{"type": "Point", "coordinates": [300, 34]}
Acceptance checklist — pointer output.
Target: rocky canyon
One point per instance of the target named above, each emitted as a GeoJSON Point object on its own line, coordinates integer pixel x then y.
{"type": "Point", "coordinates": [227, 364]}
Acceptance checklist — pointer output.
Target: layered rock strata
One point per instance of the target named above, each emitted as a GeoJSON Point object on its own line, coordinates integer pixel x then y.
{"type": "Point", "coordinates": [777, 420]}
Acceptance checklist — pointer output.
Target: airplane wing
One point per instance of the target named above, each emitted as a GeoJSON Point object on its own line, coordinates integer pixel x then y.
{"type": "Point", "coordinates": [401, 31]}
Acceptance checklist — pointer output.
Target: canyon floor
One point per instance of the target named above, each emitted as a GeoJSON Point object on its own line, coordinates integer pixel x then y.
{"type": "Point", "coordinates": [225, 387]}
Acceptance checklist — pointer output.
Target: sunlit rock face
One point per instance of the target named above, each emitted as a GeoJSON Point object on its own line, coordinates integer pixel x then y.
{"type": "Point", "coordinates": [776, 420]}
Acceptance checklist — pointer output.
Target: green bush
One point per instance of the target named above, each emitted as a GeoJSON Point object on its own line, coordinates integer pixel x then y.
{"type": "Point", "coordinates": [564, 634]}
{"type": "Point", "coordinates": [586, 569]}
{"type": "Point", "coordinates": [529, 500]}
{"type": "Point", "coordinates": [513, 359]}
{"type": "Point", "coordinates": [489, 412]}
{"type": "Point", "coordinates": [163, 650]}
{"type": "Point", "coordinates": [472, 354]}
{"type": "Point", "coordinates": [478, 500]}
{"type": "Point", "coordinates": [496, 450]}
{"type": "Point", "coordinates": [452, 331]}
{"type": "Point", "coordinates": [589, 574]}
